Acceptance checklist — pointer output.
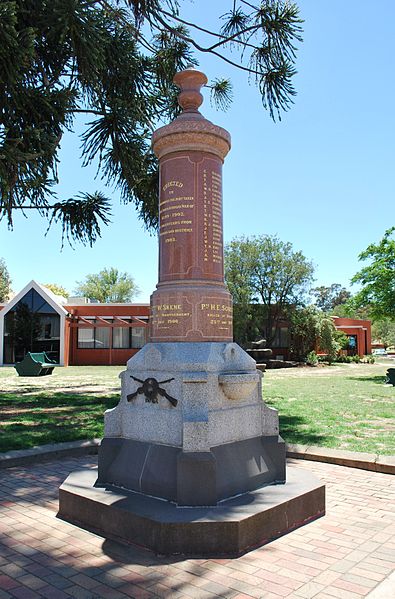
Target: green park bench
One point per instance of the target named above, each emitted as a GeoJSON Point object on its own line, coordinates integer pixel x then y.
{"type": "Point", "coordinates": [35, 364]}
{"type": "Point", "coordinates": [391, 376]}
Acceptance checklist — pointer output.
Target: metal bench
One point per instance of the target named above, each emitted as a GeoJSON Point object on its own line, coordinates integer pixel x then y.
{"type": "Point", "coordinates": [35, 364]}
{"type": "Point", "coordinates": [391, 376]}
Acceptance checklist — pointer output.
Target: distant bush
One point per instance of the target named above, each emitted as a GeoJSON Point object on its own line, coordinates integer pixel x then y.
{"type": "Point", "coordinates": [312, 359]}
{"type": "Point", "coordinates": [370, 359]}
{"type": "Point", "coordinates": [344, 359]}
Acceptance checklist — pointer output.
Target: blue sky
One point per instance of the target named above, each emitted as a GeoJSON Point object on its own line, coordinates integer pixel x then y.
{"type": "Point", "coordinates": [323, 178]}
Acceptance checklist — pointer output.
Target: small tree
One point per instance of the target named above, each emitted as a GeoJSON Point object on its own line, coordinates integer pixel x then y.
{"type": "Point", "coordinates": [304, 331]}
{"type": "Point", "coordinates": [312, 330]}
{"type": "Point", "coordinates": [5, 282]}
{"type": "Point", "coordinates": [327, 339]}
{"type": "Point", "coordinates": [267, 271]}
{"type": "Point", "coordinates": [378, 279]}
{"type": "Point", "coordinates": [342, 339]}
{"type": "Point", "coordinates": [109, 285]}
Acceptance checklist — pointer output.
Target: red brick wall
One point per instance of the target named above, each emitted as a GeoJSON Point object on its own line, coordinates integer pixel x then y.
{"type": "Point", "coordinates": [360, 328]}
{"type": "Point", "coordinates": [98, 357]}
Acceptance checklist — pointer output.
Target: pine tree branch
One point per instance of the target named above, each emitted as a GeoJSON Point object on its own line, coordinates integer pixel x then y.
{"type": "Point", "coordinates": [249, 5]}
{"type": "Point", "coordinates": [232, 38]}
{"type": "Point", "coordinates": [32, 207]}
{"type": "Point", "coordinates": [201, 48]}
{"type": "Point", "coordinates": [224, 38]}
{"type": "Point", "coordinates": [87, 111]}
{"type": "Point", "coordinates": [125, 23]}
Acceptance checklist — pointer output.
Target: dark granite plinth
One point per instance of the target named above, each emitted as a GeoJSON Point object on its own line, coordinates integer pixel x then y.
{"type": "Point", "coordinates": [195, 478]}
{"type": "Point", "coordinates": [231, 528]}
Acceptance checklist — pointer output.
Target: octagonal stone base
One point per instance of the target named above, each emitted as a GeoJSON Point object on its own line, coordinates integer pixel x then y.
{"type": "Point", "coordinates": [231, 528]}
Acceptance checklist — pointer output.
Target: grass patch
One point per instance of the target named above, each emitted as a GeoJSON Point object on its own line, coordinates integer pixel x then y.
{"type": "Point", "coordinates": [344, 406]}
{"type": "Point", "coordinates": [65, 406]}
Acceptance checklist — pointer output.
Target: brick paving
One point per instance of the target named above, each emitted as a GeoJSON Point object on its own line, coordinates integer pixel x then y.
{"type": "Point", "coordinates": [344, 555]}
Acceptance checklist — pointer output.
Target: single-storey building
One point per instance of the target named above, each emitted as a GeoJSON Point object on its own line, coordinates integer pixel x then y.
{"type": "Point", "coordinates": [76, 331]}
{"type": "Point", "coordinates": [71, 331]}
{"type": "Point", "coordinates": [359, 334]}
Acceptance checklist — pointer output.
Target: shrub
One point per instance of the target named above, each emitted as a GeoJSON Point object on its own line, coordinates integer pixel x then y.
{"type": "Point", "coordinates": [311, 329]}
{"type": "Point", "coordinates": [312, 358]}
{"type": "Point", "coordinates": [343, 359]}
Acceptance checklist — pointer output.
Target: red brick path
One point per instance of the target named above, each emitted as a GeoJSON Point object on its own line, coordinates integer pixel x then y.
{"type": "Point", "coordinates": [345, 554]}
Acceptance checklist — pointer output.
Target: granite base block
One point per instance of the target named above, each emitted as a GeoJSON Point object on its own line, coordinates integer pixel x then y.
{"type": "Point", "coordinates": [231, 528]}
{"type": "Point", "coordinates": [192, 478]}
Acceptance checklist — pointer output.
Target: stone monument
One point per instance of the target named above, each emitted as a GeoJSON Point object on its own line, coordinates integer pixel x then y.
{"type": "Point", "coordinates": [191, 459]}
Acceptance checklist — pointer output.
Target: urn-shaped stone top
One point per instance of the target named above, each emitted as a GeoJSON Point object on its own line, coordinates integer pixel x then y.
{"type": "Point", "coordinates": [190, 131]}
{"type": "Point", "coordinates": [190, 82]}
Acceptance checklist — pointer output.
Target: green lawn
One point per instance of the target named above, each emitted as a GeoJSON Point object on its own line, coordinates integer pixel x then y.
{"type": "Point", "coordinates": [65, 406]}
{"type": "Point", "coordinates": [344, 406]}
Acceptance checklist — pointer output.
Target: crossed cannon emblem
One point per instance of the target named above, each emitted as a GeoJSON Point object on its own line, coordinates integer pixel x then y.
{"type": "Point", "coordinates": [151, 389]}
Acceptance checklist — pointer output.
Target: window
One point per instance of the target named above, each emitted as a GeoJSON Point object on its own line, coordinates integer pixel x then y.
{"type": "Point", "coordinates": [120, 338]}
{"type": "Point", "coordinates": [35, 303]}
{"type": "Point", "coordinates": [128, 337]}
{"type": "Point", "coordinates": [86, 338]}
{"type": "Point", "coordinates": [32, 325]}
{"type": "Point", "coordinates": [50, 326]}
{"type": "Point", "coordinates": [102, 337]}
{"type": "Point", "coordinates": [138, 337]}
{"type": "Point", "coordinates": [94, 338]}
{"type": "Point", "coordinates": [282, 337]}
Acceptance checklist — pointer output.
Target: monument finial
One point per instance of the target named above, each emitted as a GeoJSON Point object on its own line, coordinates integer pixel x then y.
{"type": "Point", "coordinates": [190, 82]}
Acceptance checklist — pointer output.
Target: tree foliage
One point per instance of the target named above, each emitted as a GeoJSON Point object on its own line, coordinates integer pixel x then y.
{"type": "Point", "coordinates": [378, 278]}
{"type": "Point", "coordinates": [383, 330]}
{"type": "Point", "coordinates": [327, 298]}
{"type": "Point", "coordinates": [304, 331]}
{"type": "Point", "coordinates": [328, 340]}
{"type": "Point", "coordinates": [351, 309]}
{"type": "Point", "coordinates": [312, 330]}
{"type": "Point", "coordinates": [108, 286]}
{"type": "Point", "coordinates": [113, 61]}
{"type": "Point", "coordinates": [57, 289]}
{"type": "Point", "coordinates": [265, 270]}
{"type": "Point", "coordinates": [5, 282]}
{"type": "Point", "coordinates": [249, 323]}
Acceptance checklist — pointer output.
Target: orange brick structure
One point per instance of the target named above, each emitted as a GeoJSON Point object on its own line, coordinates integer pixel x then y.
{"type": "Point", "coordinates": [358, 333]}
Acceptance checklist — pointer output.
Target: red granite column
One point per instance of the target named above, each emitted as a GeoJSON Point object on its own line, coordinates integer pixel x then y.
{"type": "Point", "coordinates": [191, 302]}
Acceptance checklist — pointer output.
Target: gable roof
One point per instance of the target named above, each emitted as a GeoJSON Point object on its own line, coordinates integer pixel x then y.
{"type": "Point", "coordinates": [45, 293]}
